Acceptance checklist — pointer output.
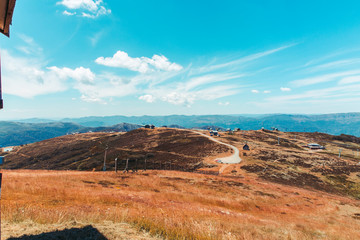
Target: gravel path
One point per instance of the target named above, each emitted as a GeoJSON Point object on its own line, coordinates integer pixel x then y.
{"type": "Point", "coordinates": [230, 159]}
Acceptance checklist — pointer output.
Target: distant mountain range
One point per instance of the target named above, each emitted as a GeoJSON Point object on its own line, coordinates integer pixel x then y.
{"type": "Point", "coordinates": [32, 130]}
{"type": "Point", "coordinates": [19, 133]}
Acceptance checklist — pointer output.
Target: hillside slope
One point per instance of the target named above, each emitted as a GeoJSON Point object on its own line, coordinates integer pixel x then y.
{"type": "Point", "coordinates": [281, 157]}
{"type": "Point", "coordinates": [164, 148]}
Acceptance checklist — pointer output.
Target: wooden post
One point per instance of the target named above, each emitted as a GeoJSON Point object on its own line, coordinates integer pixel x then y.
{"type": "Point", "coordinates": [104, 167]}
{"type": "Point", "coordinates": [126, 165]}
{"type": "Point", "coordinates": [115, 165]}
{"type": "Point", "coordinates": [145, 164]}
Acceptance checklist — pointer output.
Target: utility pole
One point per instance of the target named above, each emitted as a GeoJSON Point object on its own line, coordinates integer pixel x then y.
{"type": "Point", "coordinates": [104, 167]}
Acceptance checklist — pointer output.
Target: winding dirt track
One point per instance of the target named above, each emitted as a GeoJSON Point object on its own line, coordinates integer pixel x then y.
{"type": "Point", "coordinates": [234, 158]}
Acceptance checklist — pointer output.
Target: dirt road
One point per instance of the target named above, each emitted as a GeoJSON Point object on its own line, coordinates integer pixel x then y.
{"type": "Point", "coordinates": [230, 159]}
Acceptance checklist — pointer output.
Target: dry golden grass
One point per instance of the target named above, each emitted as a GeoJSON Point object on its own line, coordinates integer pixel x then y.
{"type": "Point", "coordinates": [175, 205]}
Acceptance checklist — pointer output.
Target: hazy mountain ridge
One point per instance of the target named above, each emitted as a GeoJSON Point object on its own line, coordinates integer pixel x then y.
{"type": "Point", "coordinates": [17, 133]}
{"type": "Point", "coordinates": [338, 123]}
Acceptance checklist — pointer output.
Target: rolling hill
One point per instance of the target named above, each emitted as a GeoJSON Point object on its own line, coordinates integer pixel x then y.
{"type": "Point", "coordinates": [164, 148]}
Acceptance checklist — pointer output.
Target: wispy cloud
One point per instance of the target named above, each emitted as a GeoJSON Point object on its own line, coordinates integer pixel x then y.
{"type": "Point", "coordinates": [94, 39]}
{"type": "Point", "coordinates": [351, 79]}
{"type": "Point", "coordinates": [29, 46]}
{"type": "Point", "coordinates": [336, 64]}
{"type": "Point", "coordinates": [323, 78]}
{"type": "Point", "coordinates": [331, 92]}
{"type": "Point", "coordinates": [210, 78]}
{"type": "Point", "coordinates": [285, 89]}
{"type": "Point", "coordinates": [243, 60]}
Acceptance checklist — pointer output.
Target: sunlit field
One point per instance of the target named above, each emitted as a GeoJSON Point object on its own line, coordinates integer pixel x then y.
{"type": "Point", "coordinates": [172, 205]}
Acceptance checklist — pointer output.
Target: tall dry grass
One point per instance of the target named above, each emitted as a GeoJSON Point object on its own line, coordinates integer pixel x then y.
{"type": "Point", "coordinates": [177, 205]}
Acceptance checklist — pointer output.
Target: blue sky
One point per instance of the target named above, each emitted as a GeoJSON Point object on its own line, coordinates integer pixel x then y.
{"type": "Point", "coordinates": [73, 58]}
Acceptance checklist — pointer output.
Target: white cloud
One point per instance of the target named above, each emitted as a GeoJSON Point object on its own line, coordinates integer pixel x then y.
{"type": "Point", "coordinates": [143, 64]}
{"type": "Point", "coordinates": [92, 99]}
{"type": "Point", "coordinates": [122, 60]}
{"type": "Point", "coordinates": [179, 98]}
{"type": "Point", "coordinates": [29, 77]}
{"type": "Point", "coordinates": [105, 87]}
{"type": "Point", "coordinates": [162, 63]}
{"type": "Point", "coordinates": [285, 89]}
{"type": "Point", "coordinates": [147, 98]}
{"type": "Point", "coordinates": [90, 8]}
{"type": "Point", "coordinates": [80, 74]}
{"type": "Point", "coordinates": [102, 11]}
{"type": "Point", "coordinates": [69, 13]}
{"type": "Point", "coordinates": [26, 77]}
{"type": "Point", "coordinates": [267, 91]}
{"type": "Point", "coordinates": [255, 91]}
{"type": "Point", "coordinates": [223, 103]}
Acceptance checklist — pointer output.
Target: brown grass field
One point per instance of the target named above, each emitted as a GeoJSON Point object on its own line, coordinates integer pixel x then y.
{"type": "Point", "coordinates": [278, 191]}
{"type": "Point", "coordinates": [171, 205]}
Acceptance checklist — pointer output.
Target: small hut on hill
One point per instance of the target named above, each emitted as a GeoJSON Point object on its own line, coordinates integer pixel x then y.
{"type": "Point", "coordinates": [246, 147]}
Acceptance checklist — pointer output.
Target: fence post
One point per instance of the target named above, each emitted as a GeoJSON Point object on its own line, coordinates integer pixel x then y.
{"type": "Point", "coordinates": [115, 165]}
{"type": "Point", "coordinates": [145, 163]}
{"type": "Point", "coordinates": [126, 165]}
